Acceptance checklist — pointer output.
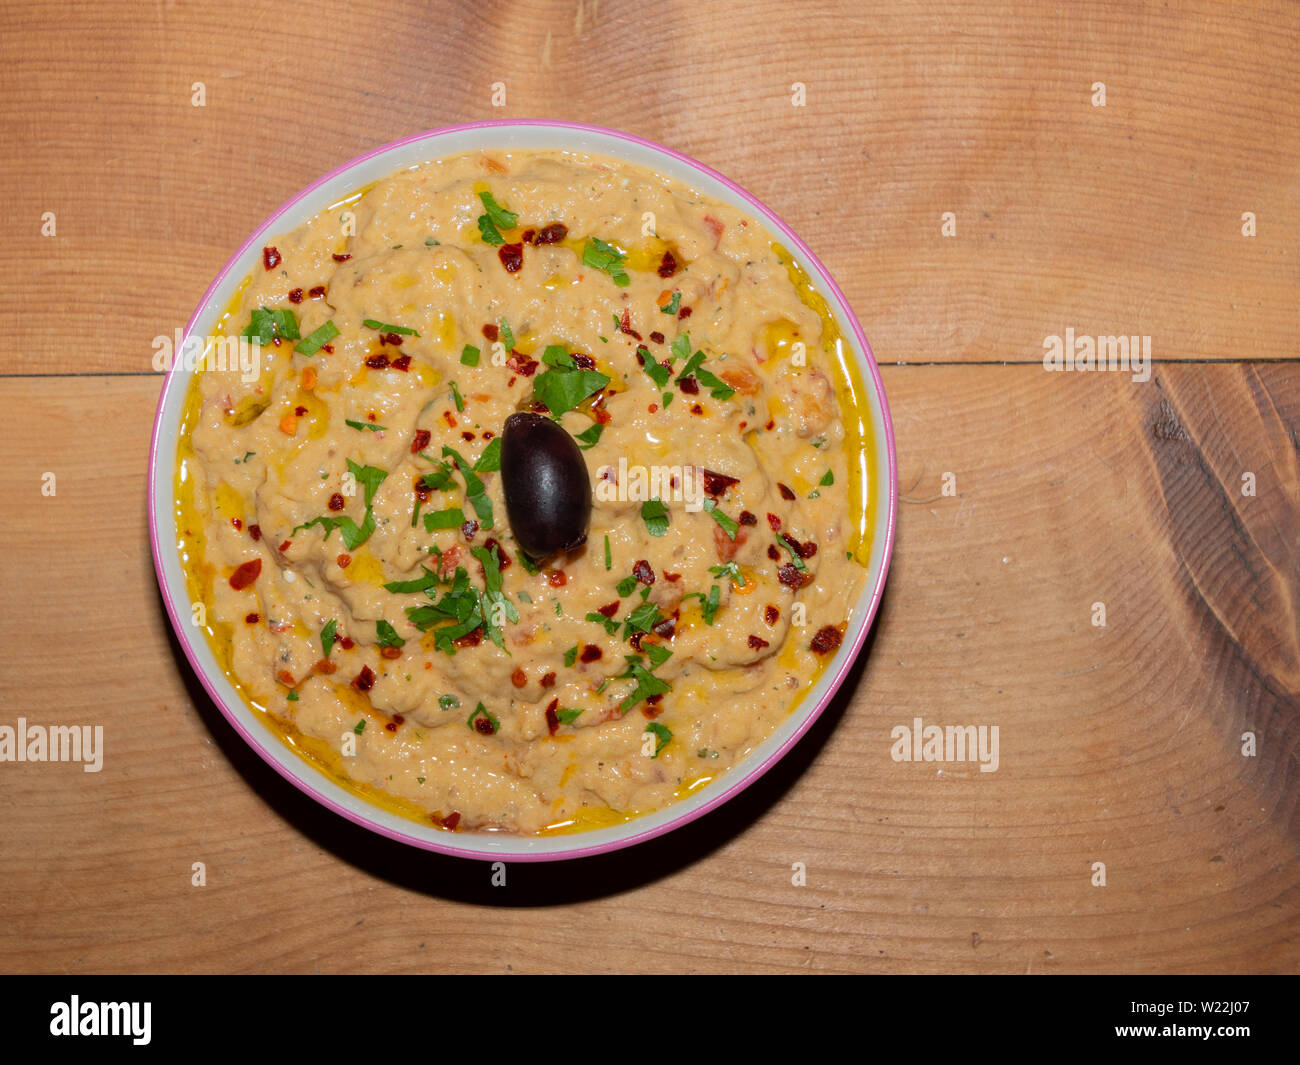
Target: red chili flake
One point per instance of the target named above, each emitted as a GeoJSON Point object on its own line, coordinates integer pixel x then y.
{"type": "Point", "coordinates": [327, 348]}
{"type": "Point", "coordinates": [635, 640]}
{"type": "Point", "coordinates": [551, 234]}
{"type": "Point", "coordinates": [609, 609]}
{"type": "Point", "coordinates": [653, 408]}
{"type": "Point", "coordinates": [657, 337]}
{"type": "Point", "coordinates": [625, 325]}
{"type": "Point", "coordinates": [253, 618]}
{"type": "Point", "coordinates": [774, 522]}
{"type": "Point", "coordinates": [602, 415]}
{"type": "Point", "coordinates": [255, 531]}
{"type": "Point", "coordinates": [392, 338]}
{"type": "Point", "coordinates": [696, 409]}
{"type": "Point", "coordinates": [344, 560]}
{"type": "Point", "coordinates": [450, 821]}
{"type": "Point", "coordinates": [590, 653]}
{"type": "Point", "coordinates": [285, 677]}
{"type": "Point", "coordinates": [521, 364]}
{"type": "Point", "coordinates": [772, 552]}
{"type": "Point", "coordinates": [756, 643]}
{"type": "Point", "coordinates": [236, 523]}
{"type": "Point", "coordinates": [365, 680]}
{"type": "Point", "coordinates": [467, 435]}
{"type": "Point", "coordinates": [672, 578]}
{"type": "Point", "coordinates": [246, 574]}
{"type": "Point", "coordinates": [827, 639]}
{"type": "Point", "coordinates": [391, 652]}
{"type": "Point", "coordinates": [548, 681]}
{"type": "Point", "coordinates": [402, 362]}
{"type": "Point", "coordinates": [771, 614]}
{"type": "Point", "coordinates": [492, 542]}
{"type": "Point", "coordinates": [325, 666]}
{"type": "Point", "coordinates": [792, 577]}
{"type": "Point", "coordinates": [449, 418]}
{"type": "Point", "coordinates": [643, 571]}
{"type": "Point", "coordinates": [652, 709]}
{"type": "Point", "coordinates": [421, 441]}
{"type": "Point", "coordinates": [471, 639]}
{"type": "Point", "coordinates": [685, 312]}
{"type": "Point", "coordinates": [300, 411]}
{"type": "Point", "coordinates": [667, 265]}
{"type": "Point", "coordinates": [488, 434]}
{"type": "Point", "coordinates": [527, 236]}
{"type": "Point", "coordinates": [337, 502]}
{"type": "Point", "coordinates": [804, 550]}
{"type": "Point", "coordinates": [346, 643]}
{"type": "Point", "coordinates": [769, 426]}
{"type": "Point", "coordinates": [689, 385]}
{"type": "Point", "coordinates": [483, 725]}
{"type": "Point", "coordinates": [316, 293]}
{"type": "Point", "coordinates": [270, 257]}
{"type": "Point", "coordinates": [378, 362]}
{"type": "Point", "coordinates": [342, 258]}
{"type": "Point", "coordinates": [583, 362]}
{"type": "Point", "coordinates": [786, 492]}
{"type": "Point", "coordinates": [491, 331]}
{"type": "Point", "coordinates": [295, 295]}
{"type": "Point", "coordinates": [391, 726]}
{"type": "Point", "coordinates": [518, 678]}
{"type": "Point", "coordinates": [469, 529]}
{"type": "Point", "coordinates": [717, 483]}
{"type": "Point", "coordinates": [552, 719]}
{"type": "Point", "coordinates": [557, 578]}
{"type": "Point", "coordinates": [747, 518]}
{"type": "Point", "coordinates": [666, 627]}
{"type": "Point", "coordinates": [512, 257]}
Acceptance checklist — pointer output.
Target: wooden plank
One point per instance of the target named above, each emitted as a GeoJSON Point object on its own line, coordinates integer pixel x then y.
{"type": "Point", "coordinates": [1118, 219]}
{"type": "Point", "coordinates": [1119, 744]}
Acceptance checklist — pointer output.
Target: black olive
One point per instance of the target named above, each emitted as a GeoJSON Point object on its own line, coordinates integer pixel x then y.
{"type": "Point", "coordinates": [546, 485]}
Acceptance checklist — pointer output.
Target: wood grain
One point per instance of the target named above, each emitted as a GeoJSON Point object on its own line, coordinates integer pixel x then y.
{"type": "Point", "coordinates": [1119, 744]}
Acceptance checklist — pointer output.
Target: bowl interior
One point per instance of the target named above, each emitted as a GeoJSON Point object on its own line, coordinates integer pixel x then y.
{"type": "Point", "coordinates": [371, 167]}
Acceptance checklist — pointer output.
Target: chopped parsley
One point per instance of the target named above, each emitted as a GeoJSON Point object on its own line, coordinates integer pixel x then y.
{"type": "Point", "coordinates": [370, 426]}
{"type": "Point", "coordinates": [794, 555]}
{"type": "Point", "coordinates": [655, 516]}
{"type": "Point", "coordinates": [266, 323]}
{"type": "Point", "coordinates": [483, 711]}
{"type": "Point", "coordinates": [327, 636]}
{"type": "Point", "coordinates": [729, 570]}
{"type": "Point", "coordinates": [452, 518]}
{"type": "Point", "coordinates": [507, 336]}
{"type": "Point", "coordinates": [657, 373]}
{"type": "Point", "coordinates": [590, 437]}
{"type": "Point", "coordinates": [317, 339]}
{"type": "Point", "coordinates": [564, 386]}
{"type": "Point", "coordinates": [420, 584]}
{"type": "Point", "coordinates": [611, 626]}
{"type": "Point", "coordinates": [626, 587]}
{"type": "Point", "coordinates": [475, 493]}
{"type": "Point", "coordinates": [469, 355]}
{"type": "Point", "coordinates": [384, 327]}
{"type": "Point", "coordinates": [609, 558]}
{"type": "Point", "coordinates": [359, 727]}
{"type": "Point", "coordinates": [607, 258]}
{"type": "Point", "coordinates": [729, 526]}
{"type": "Point", "coordinates": [456, 397]}
{"type": "Point", "coordinates": [568, 714]}
{"type": "Point", "coordinates": [386, 635]}
{"type": "Point", "coordinates": [496, 219]}
{"type": "Point", "coordinates": [571, 655]}
{"type": "Point", "coordinates": [662, 735]}
{"type": "Point", "coordinates": [671, 306]}
{"type": "Point", "coordinates": [490, 460]}
{"type": "Point", "coordinates": [718, 388]}
{"type": "Point", "coordinates": [448, 702]}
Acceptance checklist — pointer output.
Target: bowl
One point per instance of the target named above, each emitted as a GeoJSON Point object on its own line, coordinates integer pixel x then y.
{"type": "Point", "coordinates": [376, 164]}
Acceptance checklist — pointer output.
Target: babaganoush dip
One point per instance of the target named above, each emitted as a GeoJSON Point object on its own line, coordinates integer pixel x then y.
{"type": "Point", "coordinates": [342, 519]}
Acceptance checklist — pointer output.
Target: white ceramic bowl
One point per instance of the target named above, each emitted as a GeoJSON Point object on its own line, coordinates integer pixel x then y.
{"type": "Point", "coordinates": [162, 466]}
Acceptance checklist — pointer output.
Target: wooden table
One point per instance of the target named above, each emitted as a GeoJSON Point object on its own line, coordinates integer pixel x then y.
{"type": "Point", "coordinates": [1120, 744]}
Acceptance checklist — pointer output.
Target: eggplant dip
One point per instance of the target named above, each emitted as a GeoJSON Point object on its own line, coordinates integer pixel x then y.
{"type": "Point", "coordinates": [549, 501]}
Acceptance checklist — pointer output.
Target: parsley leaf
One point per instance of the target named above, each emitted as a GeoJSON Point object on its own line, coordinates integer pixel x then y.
{"type": "Point", "coordinates": [327, 636]}
{"type": "Point", "coordinates": [671, 306]}
{"type": "Point", "coordinates": [474, 490]}
{"type": "Point", "coordinates": [588, 438]}
{"type": "Point", "coordinates": [386, 635]}
{"type": "Point", "coordinates": [655, 516]}
{"type": "Point", "coordinates": [371, 426]}
{"type": "Point", "coordinates": [490, 460]}
{"type": "Point", "coordinates": [729, 526]}
{"type": "Point", "coordinates": [662, 735]}
{"type": "Point", "coordinates": [469, 355]}
{"type": "Point", "coordinates": [317, 339]}
{"type": "Point", "coordinates": [384, 327]}
{"type": "Point", "coordinates": [452, 518]}
{"type": "Point", "coordinates": [605, 257]}
{"type": "Point", "coordinates": [267, 323]}
{"type": "Point", "coordinates": [565, 386]}
{"type": "Point", "coordinates": [496, 219]}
